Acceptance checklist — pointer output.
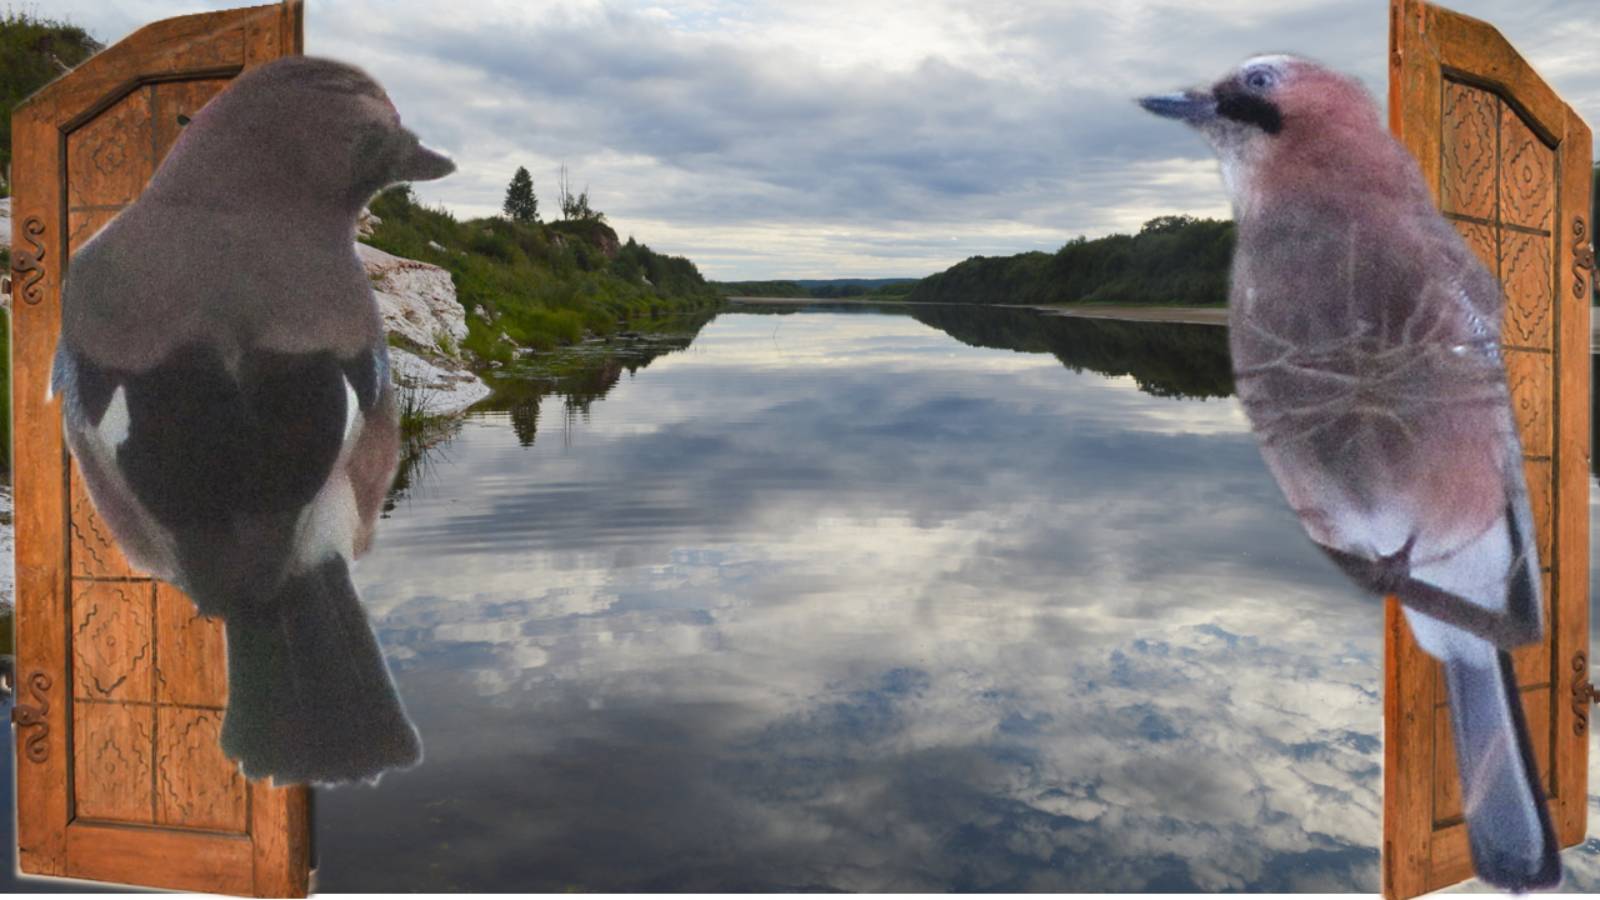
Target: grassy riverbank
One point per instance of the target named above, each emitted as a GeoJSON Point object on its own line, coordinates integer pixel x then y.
{"type": "Point", "coordinates": [538, 286]}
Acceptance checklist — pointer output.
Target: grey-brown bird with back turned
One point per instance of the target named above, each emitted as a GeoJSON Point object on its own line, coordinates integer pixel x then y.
{"type": "Point", "coordinates": [225, 389]}
{"type": "Point", "coordinates": [1366, 349]}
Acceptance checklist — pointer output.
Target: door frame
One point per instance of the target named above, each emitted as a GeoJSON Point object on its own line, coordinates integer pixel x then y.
{"type": "Point", "coordinates": [1427, 44]}
{"type": "Point", "coordinates": [272, 859]}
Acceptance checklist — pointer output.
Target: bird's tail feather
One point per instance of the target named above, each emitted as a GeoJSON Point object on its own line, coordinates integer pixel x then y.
{"type": "Point", "coordinates": [1508, 822]}
{"type": "Point", "coordinates": [309, 695]}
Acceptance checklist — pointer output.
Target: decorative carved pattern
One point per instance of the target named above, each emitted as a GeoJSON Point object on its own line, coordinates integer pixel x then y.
{"type": "Point", "coordinates": [1468, 135]}
{"type": "Point", "coordinates": [37, 746]}
{"type": "Point", "coordinates": [191, 662]}
{"type": "Point", "coordinates": [1582, 256]}
{"type": "Point", "coordinates": [31, 262]}
{"type": "Point", "coordinates": [83, 224]}
{"type": "Point", "coordinates": [1525, 272]}
{"type": "Point", "coordinates": [1481, 239]}
{"type": "Point", "coordinates": [112, 762]}
{"type": "Point", "coordinates": [1527, 174]}
{"type": "Point", "coordinates": [197, 786]}
{"type": "Point", "coordinates": [95, 553]}
{"type": "Point", "coordinates": [1529, 376]}
{"type": "Point", "coordinates": [110, 156]}
{"type": "Point", "coordinates": [1583, 693]}
{"type": "Point", "coordinates": [1541, 485]}
{"type": "Point", "coordinates": [111, 644]}
{"type": "Point", "coordinates": [108, 159]}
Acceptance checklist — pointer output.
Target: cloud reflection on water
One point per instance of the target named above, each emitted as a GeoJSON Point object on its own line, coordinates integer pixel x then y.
{"type": "Point", "coordinates": [833, 601]}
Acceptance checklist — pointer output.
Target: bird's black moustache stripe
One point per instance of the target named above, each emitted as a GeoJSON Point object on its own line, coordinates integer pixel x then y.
{"type": "Point", "coordinates": [1251, 110]}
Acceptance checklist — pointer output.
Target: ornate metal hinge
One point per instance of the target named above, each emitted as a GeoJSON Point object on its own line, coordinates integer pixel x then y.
{"type": "Point", "coordinates": [37, 746]}
{"type": "Point", "coordinates": [31, 263]}
{"type": "Point", "coordinates": [1582, 255]}
{"type": "Point", "coordinates": [1584, 693]}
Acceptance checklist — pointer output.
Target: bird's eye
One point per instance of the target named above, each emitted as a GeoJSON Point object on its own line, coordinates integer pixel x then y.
{"type": "Point", "coordinates": [1260, 79]}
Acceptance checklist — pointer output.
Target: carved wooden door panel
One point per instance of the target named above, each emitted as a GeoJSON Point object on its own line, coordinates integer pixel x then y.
{"type": "Point", "coordinates": [122, 685]}
{"type": "Point", "coordinates": [1509, 165]}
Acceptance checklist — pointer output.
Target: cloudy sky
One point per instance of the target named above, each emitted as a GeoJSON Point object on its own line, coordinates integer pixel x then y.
{"type": "Point", "coordinates": [846, 137]}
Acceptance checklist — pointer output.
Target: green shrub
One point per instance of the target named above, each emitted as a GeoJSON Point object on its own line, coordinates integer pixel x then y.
{"type": "Point", "coordinates": [32, 51]}
{"type": "Point", "coordinates": [544, 285]}
{"type": "Point", "coordinates": [485, 343]}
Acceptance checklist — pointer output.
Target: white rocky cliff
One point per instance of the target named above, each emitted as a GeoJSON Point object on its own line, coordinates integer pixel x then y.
{"type": "Point", "coordinates": [419, 306]}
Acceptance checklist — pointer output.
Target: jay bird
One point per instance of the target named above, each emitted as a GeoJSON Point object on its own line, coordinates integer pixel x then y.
{"type": "Point", "coordinates": [1366, 347]}
{"type": "Point", "coordinates": [225, 390]}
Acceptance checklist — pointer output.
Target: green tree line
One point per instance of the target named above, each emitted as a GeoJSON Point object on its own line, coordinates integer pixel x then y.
{"type": "Point", "coordinates": [759, 289]}
{"type": "Point", "coordinates": [872, 288]}
{"type": "Point", "coordinates": [1173, 260]}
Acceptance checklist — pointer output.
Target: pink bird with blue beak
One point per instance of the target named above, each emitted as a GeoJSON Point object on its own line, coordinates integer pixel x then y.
{"type": "Point", "coordinates": [1366, 348]}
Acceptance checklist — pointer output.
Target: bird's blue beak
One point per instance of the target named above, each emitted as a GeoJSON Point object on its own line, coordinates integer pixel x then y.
{"type": "Point", "coordinates": [423, 164]}
{"type": "Point", "coordinates": [1193, 107]}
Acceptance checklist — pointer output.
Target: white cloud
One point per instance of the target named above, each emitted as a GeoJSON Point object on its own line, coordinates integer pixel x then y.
{"type": "Point", "coordinates": [842, 137]}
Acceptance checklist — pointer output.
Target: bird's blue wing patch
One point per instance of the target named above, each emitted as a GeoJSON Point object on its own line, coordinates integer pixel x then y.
{"type": "Point", "coordinates": [61, 373]}
{"type": "Point", "coordinates": [368, 373]}
{"type": "Point", "coordinates": [85, 389]}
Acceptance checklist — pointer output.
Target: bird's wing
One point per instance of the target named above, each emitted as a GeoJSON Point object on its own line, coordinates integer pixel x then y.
{"type": "Point", "coordinates": [235, 463]}
{"type": "Point", "coordinates": [1496, 569]}
{"type": "Point", "coordinates": [374, 456]}
{"type": "Point", "coordinates": [1370, 368]}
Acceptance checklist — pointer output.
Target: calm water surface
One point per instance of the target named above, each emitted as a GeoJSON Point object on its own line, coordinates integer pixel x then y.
{"type": "Point", "coordinates": [855, 600]}
{"type": "Point", "coordinates": [834, 600]}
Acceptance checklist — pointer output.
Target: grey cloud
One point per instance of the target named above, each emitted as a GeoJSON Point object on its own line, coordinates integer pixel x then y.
{"type": "Point", "coordinates": [721, 122]}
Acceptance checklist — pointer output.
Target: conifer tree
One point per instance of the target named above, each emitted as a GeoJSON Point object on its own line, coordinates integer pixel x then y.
{"type": "Point", "coordinates": [521, 205]}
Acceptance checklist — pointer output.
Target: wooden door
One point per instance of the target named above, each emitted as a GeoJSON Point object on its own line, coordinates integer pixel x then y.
{"type": "Point", "coordinates": [122, 686]}
{"type": "Point", "coordinates": [1509, 165]}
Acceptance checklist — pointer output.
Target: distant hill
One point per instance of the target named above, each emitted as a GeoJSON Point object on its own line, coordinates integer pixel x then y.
{"type": "Point", "coordinates": [1173, 260]}
{"type": "Point", "coordinates": [826, 288]}
{"type": "Point", "coordinates": [856, 287]}
{"type": "Point", "coordinates": [759, 289]}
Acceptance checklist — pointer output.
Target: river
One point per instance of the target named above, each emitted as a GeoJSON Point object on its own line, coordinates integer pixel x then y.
{"type": "Point", "coordinates": [856, 598]}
